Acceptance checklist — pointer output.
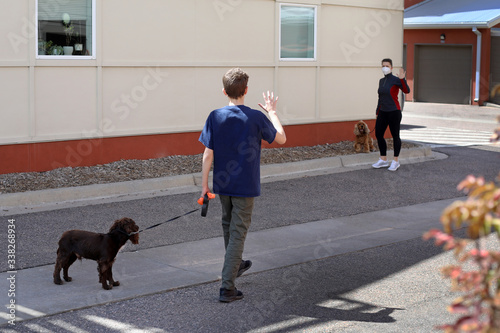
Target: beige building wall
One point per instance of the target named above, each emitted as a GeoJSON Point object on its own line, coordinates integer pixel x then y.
{"type": "Point", "coordinates": [158, 66]}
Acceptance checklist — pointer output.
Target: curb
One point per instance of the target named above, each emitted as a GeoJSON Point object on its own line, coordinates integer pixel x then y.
{"type": "Point", "coordinates": [135, 189]}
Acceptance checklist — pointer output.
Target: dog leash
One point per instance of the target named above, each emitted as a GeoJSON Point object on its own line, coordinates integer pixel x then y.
{"type": "Point", "coordinates": [204, 209]}
{"type": "Point", "coordinates": [170, 220]}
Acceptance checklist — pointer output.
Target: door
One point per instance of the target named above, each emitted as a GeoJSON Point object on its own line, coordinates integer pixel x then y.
{"type": "Point", "coordinates": [495, 70]}
{"type": "Point", "coordinates": [443, 73]}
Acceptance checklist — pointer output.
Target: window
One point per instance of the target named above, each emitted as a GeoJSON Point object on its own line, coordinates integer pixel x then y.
{"type": "Point", "coordinates": [297, 32]}
{"type": "Point", "coordinates": [65, 29]}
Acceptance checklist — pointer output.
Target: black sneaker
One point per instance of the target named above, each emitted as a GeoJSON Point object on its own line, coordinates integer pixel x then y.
{"type": "Point", "coordinates": [227, 295]}
{"type": "Point", "coordinates": [244, 266]}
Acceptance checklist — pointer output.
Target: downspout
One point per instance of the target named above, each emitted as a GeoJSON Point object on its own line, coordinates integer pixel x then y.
{"type": "Point", "coordinates": [478, 62]}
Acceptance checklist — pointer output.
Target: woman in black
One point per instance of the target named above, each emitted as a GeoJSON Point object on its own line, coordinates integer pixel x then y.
{"type": "Point", "coordinates": [389, 113]}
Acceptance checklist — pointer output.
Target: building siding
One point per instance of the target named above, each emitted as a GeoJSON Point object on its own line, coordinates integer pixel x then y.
{"type": "Point", "coordinates": [157, 75]}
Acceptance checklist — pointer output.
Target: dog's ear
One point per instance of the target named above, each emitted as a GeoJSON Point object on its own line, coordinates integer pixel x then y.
{"type": "Point", "coordinates": [356, 129]}
{"type": "Point", "coordinates": [367, 130]}
{"type": "Point", "coordinates": [129, 226]}
{"type": "Point", "coordinates": [132, 227]}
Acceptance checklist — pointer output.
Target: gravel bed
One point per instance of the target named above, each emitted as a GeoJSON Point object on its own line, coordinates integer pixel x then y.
{"type": "Point", "coordinates": [126, 170]}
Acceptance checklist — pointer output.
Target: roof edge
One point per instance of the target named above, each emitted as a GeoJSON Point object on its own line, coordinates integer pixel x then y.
{"type": "Point", "coordinates": [494, 22]}
{"type": "Point", "coordinates": [482, 25]}
{"type": "Point", "coordinates": [417, 5]}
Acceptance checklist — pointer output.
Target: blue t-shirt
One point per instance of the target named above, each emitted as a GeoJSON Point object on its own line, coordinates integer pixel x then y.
{"type": "Point", "coordinates": [235, 133]}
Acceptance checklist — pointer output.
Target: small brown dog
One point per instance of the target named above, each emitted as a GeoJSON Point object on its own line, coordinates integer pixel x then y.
{"type": "Point", "coordinates": [78, 244]}
{"type": "Point", "coordinates": [363, 138]}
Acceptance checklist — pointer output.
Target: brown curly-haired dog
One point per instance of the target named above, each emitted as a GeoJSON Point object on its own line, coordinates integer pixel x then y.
{"type": "Point", "coordinates": [78, 244]}
{"type": "Point", "coordinates": [363, 138]}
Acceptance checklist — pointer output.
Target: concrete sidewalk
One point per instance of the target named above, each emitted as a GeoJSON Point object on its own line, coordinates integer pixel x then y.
{"type": "Point", "coordinates": [156, 270]}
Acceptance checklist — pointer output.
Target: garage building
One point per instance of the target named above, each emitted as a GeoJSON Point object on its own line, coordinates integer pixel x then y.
{"type": "Point", "coordinates": [452, 51]}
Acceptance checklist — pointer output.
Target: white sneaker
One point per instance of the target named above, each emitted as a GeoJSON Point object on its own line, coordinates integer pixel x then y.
{"type": "Point", "coordinates": [394, 166]}
{"type": "Point", "coordinates": [380, 164]}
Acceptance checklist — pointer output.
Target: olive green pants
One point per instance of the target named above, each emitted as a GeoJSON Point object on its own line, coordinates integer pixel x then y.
{"type": "Point", "coordinates": [236, 219]}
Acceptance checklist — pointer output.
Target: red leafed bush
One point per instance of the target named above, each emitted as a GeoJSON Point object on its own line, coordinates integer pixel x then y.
{"type": "Point", "coordinates": [479, 306]}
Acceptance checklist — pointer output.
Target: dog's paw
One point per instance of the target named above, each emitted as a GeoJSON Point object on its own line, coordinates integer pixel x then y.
{"type": "Point", "coordinates": [116, 283]}
{"type": "Point", "coordinates": [68, 279]}
{"type": "Point", "coordinates": [107, 286]}
{"type": "Point", "coordinates": [59, 282]}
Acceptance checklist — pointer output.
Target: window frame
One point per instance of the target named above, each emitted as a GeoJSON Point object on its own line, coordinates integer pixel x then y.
{"type": "Point", "coordinates": [315, 41]}
{"type": "Point", "coordinates": [72, 57]}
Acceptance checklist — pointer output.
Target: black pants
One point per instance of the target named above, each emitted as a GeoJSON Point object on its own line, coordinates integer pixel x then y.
{"type": "Point", "coordinates": [393, 120]}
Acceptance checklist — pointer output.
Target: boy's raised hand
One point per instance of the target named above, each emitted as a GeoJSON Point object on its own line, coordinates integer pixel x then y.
{"type": "Point", "coordinates": [270, 102]}
{"type": "Point", "coordinates": [270, 108]}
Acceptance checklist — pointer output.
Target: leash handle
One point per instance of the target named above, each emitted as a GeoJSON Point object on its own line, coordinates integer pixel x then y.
{"type": "Point", "coordinates": [208, 196]}
{"type": "Point", "coordinates": [203, 201]}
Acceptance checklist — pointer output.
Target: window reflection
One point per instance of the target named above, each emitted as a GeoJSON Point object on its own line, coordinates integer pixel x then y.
{"type": "Point", "coordinates": [65, 28]}
{"type": "Point", "coordinates": [297, 32]}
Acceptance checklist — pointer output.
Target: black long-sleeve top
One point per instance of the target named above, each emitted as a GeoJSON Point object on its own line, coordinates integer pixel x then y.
{"type": "Point", "coordinates": [388, 89]}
